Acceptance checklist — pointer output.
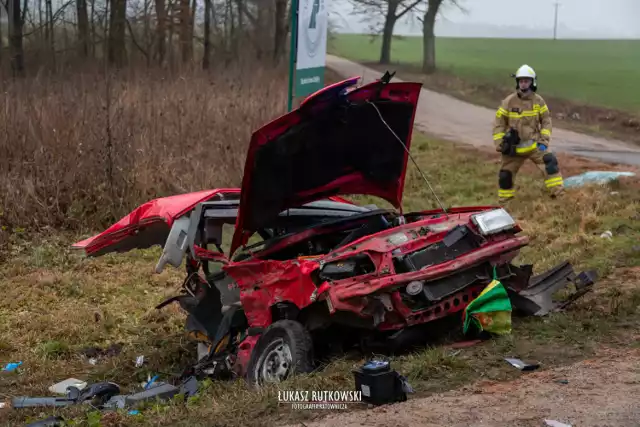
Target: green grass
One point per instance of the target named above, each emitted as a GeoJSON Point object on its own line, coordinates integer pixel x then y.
{"type": "Point", "coordinates": [598, 72]}
{"type": "Point", "coordinates": [55, 304]}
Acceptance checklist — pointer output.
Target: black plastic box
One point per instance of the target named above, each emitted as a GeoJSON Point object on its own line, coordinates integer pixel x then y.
{"type": "Point", "coordinates": [379, 385]}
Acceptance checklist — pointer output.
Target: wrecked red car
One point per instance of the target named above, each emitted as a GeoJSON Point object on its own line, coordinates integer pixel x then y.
{"type": "Point", "coordinates": [307, 270]}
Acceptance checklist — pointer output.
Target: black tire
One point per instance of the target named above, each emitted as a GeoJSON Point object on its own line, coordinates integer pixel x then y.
{"type": "Point", "coordinates": [283, 334]}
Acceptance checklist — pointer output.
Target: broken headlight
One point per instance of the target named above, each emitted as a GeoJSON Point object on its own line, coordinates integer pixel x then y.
{"type": "Point", "coordinates": [493, 221]}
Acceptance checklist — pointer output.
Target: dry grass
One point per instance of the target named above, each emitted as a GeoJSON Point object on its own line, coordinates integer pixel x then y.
{"type": "Point", "coordinates": [55, 304]}
{"type": "Point", "coordinates": [75, 155]}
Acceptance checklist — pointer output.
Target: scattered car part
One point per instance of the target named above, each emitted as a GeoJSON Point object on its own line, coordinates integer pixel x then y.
{"type": "Point", "coordinates": [97, 393]}
{"type": "Point", "coordinates": [379, 384]}
{"type": "Point", "coordinates": [115, 402]}
{"type": "Point", "coordinates": [163, 392]}
{"type": "Point", "coordinates": [536, 299]}
{"type": "Point", "coordinates": [53, 421]}
{"type": "Point", "coordinates": [61, 387]}
{"type": "Point", "coordinates": [189, 387]}
{"type": "Point", "coordinates": [32, 402]}
{"type": "Point", "coordinates": [519, 364]}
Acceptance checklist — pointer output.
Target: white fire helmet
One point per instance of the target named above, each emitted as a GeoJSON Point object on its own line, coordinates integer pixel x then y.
{"type": "Point", "coordinates": [524, 72]}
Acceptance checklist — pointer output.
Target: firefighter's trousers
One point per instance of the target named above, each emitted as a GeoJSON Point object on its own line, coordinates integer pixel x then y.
{"type": "Point", "coordinates": [546, 162]}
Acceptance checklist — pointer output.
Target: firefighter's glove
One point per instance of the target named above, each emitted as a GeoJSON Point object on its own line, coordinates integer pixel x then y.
{"type": "Point", "coordinates": [542, 147]}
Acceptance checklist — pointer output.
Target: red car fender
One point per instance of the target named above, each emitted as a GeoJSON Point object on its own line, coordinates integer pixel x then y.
{"type": "Point", "coordinates": [266, 282]}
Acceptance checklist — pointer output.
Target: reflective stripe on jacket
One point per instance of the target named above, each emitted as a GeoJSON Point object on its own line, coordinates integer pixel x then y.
{"type": "Point", "coordinates": [530, 115]}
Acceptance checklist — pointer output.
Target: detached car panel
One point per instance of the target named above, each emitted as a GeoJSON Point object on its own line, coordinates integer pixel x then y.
{"type": "Point", "coordinates": [149, 224]}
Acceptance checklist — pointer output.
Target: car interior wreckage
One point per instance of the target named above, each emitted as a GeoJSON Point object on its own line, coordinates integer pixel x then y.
{"type": "Point", "coordinates": [306, 268]}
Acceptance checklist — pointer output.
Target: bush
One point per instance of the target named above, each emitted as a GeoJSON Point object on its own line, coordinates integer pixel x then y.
{"type": "Point", "coordinates": [66, 163]}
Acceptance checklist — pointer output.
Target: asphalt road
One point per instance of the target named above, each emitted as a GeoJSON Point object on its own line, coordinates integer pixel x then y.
{"type": "Point", "coordinates": [451, 119]}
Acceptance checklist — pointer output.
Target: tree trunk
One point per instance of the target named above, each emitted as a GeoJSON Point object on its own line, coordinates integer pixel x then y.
{"type": "Point", "coordinates": [83, 27]}
{"type": "Point", "coordinates": [15, 38]}
{"type": "Point", "coordinates": [40, 25]}
{"type": "Point", "coordinates": [280, 35]}
{"type": "Point", "coordinates": [185, 30]}
{"type": "Point", "coordinates": [170, 19]}
{"type": "Point", "coordinates": [49, 30]}
{"type": "Point", "coordinates": [429, 37]}
{"type": "Point", "coordinates": [1, 42]}
{"type": "Point", "coordinates": [206, 58]}
{"type": "Point", "coordinates": [148, 39]}
{"type": "Point", "coordinates": [387, 32]}
{"type": "Point", "coordinates": [261, 28]}
{"type": "Point", "coordinates": [240, 6]}
{"type": "Point", "coordinates": [161, 17]}
{"type": "Point", "coordinates": [117, 27]}
{"type": "Point", "coordinates": [94, 31]}
{"type": "Point", "coordinates": [192, 26]}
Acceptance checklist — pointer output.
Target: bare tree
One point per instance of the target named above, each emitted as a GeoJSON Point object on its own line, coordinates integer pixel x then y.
{"type": "Point", "coordinates": [391, 11]}
{"type": "Point", "coordinates": [161, 25]}
{"type": "Point", "coordinates": [429, 37]}
{"type": "Point", "coordinates": [117, 26]}
{"type": "Point", "coordinates": [428, 32]}
{"type": "Point", "coordinates": [15, 37]}
{"type": "Point", "coordinates": [206, 57]}
{"type": "Point", "coordinates": [83, 27]}
{"type": "Point", "coordinates": [280, 28]}
{"type": "Point", "coordinates": [185, 30]}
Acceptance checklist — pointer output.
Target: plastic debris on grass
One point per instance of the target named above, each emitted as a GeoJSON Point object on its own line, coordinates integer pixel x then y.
{"type": "Point", "coordinates": [523, 366]}
{"type": "Point", "coordinates": [61, 387]}
{"type": "Point", "coordinates": [9, 367]}
{"type": "Point", "coordinates": [594, 177]}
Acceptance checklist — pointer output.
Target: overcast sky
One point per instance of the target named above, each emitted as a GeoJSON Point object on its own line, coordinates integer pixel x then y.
{"type": "Point", "coordinates": [576, 18]}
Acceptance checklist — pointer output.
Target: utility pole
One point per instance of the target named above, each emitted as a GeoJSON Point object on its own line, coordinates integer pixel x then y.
{"type": "Point", "coordinates": [555, 23]}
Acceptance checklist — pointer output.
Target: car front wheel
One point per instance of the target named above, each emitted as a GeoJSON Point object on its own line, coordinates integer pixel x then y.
{"type": "Point", "coordinates": [284, 348]}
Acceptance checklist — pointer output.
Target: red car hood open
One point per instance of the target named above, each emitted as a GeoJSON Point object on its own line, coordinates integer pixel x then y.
{"type": "Point", "coordinates": [335, 143]}
{"type": "Point", "coordinates": [149, 224]}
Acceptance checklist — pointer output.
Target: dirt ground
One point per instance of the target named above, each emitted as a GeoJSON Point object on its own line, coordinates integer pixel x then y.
{"type": "Point", "coordinates": [451, 119]}
{"type": "Point", "coordinates": [601, 391]}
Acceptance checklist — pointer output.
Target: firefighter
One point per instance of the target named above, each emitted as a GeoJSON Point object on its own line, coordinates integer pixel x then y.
{"type": "Point", "coordinates": [521, 131]}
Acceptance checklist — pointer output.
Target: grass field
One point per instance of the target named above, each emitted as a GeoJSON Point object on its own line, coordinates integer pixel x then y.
{"type": "Point", "coordinates": [55, 304]}
{"type": "Point", "coordinates": [599, 73]}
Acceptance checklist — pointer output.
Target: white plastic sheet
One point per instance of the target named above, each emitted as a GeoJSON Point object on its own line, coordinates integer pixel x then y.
{"type": "Point", "coordinates": [594, 177]}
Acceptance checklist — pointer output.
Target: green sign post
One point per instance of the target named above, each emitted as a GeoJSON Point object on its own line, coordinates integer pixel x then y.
{"type": "Point", "coordinates": [309, 23]}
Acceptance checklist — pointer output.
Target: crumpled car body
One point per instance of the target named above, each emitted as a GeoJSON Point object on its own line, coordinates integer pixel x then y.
{"type": "Point", "coordinates": [307, 267]}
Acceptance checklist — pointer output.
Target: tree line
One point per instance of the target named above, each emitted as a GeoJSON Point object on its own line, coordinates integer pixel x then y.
{"type": "Point", "coordinates": [173, 32]}
{"type": "Point", "coordinates": [155, 32]}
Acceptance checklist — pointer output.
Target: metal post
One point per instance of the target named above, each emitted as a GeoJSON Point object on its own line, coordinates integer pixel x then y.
{"type": "Point", "coordinates": [293, 49]}
{"type": "Point", "coordinates": [555, 23]}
